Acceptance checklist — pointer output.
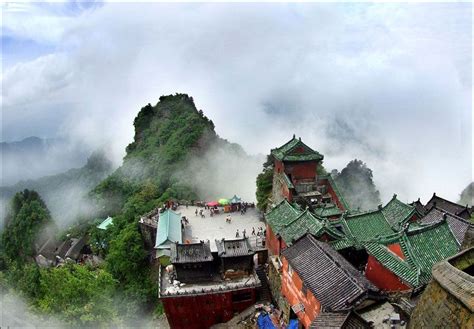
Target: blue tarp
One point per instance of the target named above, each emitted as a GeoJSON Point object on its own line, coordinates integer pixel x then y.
{"type": "Point", "coordinates": [293, 324]}
{"type": "Point", "coordinates": [264, 322]}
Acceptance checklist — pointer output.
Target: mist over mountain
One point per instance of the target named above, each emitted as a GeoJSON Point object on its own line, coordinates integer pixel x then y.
{"type": "Point", "coordinates": [176, 153]}
{"type": "Point", "coordinates": [467, 195]}
{"type": "Point", "coordinates": [34, 157]}
{"type": "Point", "coordinates": [66, 193]}
{"type": "Point", "coordinates": [371, 81]}
{"type": "Point", "coordinates": [355, 181]}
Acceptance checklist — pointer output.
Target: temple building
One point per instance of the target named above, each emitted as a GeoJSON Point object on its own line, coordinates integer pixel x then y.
{"type": "Point", "coordinates": [192, 262]}
{"type": "Point", "coordinates": [236, 257]}
{"type": "Point", "coordinates": [458, 225]}
{"type": "Point", "coordinates": [449, 206]}
{"type": "Point", "coordinates": [296, 176]}
{"type": "Point", "coordinates": [201, 288]}
{"type": "Point", "coordinates": [317, 280]}
{"type": "Point", "coordinates": [405, 262]}
{"type": "Point", "coordinates": [287, 223]}
{"type": "Point", "coordinates": [169, 231]}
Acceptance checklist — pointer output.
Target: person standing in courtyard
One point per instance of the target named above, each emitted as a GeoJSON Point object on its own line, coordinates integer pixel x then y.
{"type": "Point", "coordinates": [237, 234]}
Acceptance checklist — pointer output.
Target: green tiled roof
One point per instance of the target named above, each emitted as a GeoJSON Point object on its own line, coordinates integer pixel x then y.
{"type": "Point", "coordinates": [296, 150]}
{"type": "Point", "coordinates": [280, 215]}
{"type": "Point", "coordinates": [422, 247]}
{"type": "Point", "coordinates": [429, 245]}
{"type": "Point", "coordinates": [374, 224]}
{"type": "Point", "coordinates": [291, 223]}
{"type": "Point", "coordinates": [368, 226]}
{"type": "Point", "coordinates": [395, 264]}
{"type": "Point", "coordinates": [299, 226]}
{"type": "Point", "coordinates": [342, 244]}
{"type": "Point", "coordinates": [287, 180]}
{"type": "Point", "coordinates": [397, 212]}
{"type": "Point", "coordinates": [168, 230]}
{"type": "Point", "coordinates": [338, 192]}
{"type": "Point", "coordinates": [106, 223]}
{"type": "Point", "coordinates": [327, 210]}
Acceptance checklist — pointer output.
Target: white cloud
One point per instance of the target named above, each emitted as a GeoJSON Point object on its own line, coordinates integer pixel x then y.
{"type": "Point", "coordinates": [386, 83]}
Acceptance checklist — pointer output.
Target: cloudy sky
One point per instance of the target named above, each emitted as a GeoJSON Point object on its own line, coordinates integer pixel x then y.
{"type": "Point", "coordinates": [386, 83]}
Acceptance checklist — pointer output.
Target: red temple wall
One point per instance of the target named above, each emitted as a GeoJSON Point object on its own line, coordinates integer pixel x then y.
{"type": "Point", "coordinates": [279, 167]}
{"type": "Point", "coordinates": [291, 288]}
{"type": "Point", "coordinates": [273, 243]}
{"type": "Point", "coordinates": [382, 277]}
{"type": "Point", "coordinates": [203, 311]}
{"type": "Point", "coordinates": [334, 197]}
{"type": "Point", "coordinates": [301, 170]}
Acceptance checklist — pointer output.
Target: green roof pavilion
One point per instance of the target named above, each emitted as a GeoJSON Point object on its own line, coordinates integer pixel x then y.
{"type": "Point", "coordinates": [168, 230]}
{"type": "Point", "coordinates": [106, 223]}
{"type": "Point", "coordinates": [296, 150]}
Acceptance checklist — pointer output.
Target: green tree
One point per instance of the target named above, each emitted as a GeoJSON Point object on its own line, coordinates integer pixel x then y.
{"type": "Point", "coordinates": [127, 261]}
{"type": "Point", "coordinates": [78, 295]}
{"type": "Point", "coordinates": [28, 216]}
{"type": "Point", "coordinates": [357, 186]}
{"type": "Point", "coordinates": [265, 185]}
{"type": "Point", "coordinates": [126, 257]}
{"type": "Point", "coordinates": [467, 195]}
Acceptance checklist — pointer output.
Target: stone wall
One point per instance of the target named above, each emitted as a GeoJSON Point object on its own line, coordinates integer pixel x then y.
{"type": "Point", "coordinates": [448, 301]}
{"type": "Point", "coordinates": [274, 281]}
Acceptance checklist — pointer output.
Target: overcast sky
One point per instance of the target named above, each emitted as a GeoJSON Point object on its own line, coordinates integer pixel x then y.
{"type": "Point", "coordinates": [387, 83]}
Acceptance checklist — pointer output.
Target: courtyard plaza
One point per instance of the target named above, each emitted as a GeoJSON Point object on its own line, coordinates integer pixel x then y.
{"type": "Point", "coordinates": [216, 227]}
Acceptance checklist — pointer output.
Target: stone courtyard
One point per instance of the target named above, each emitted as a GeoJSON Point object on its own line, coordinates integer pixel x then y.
{"type": "Point", "coordinates": [216, 227]}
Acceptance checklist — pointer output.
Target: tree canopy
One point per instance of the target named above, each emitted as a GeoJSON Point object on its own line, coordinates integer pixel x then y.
{"type": "Point", "coordinates": [356, 184]}
{"type": "Point", "coordinates": [265, 185]}
{"type": "Point", "coordinates": [27, 217]}
{"type": "Point", "coordinates": [467, 195]}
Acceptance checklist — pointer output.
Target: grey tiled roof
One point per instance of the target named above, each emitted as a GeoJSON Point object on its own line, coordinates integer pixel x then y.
{"type": "Point", "coordinates": [457, 224]}
{"type": "Point", "coordinates": [190, 253]}
{"type": "Point", "coordinates": [331, 279]}
{"type": "Point", "coordinates": [418, 206]}
{"type": "Point", "coordinates": [328, 320]}
{"type": "Point", "coordinates": [449, 206]}
{"type": "Point", "coordinates": [234, 248]}
{"type": "Point", "coordinates": [331, 320]}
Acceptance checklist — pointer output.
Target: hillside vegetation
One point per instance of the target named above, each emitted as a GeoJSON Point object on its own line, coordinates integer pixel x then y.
{"type": "Point", "coordinates": [173, 156]}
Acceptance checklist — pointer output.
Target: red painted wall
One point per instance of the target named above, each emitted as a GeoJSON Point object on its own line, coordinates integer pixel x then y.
{"type": "Point", "coordinates": [273, 243]}
{"type": "Point", "coordinates": [279, 167]}
{"type": "Point", "coordinates": [301, 170]}
{"type": "Point", "coordinates": [203, 311]}
{"type": "Point", "coordinates": [382, 277]}
{"type": "Point", "coordinates": [291, 289]}
{"type": "Point", "coordinates": [395, 248]}
{"type": "Point", "coordinates": [334, 197]}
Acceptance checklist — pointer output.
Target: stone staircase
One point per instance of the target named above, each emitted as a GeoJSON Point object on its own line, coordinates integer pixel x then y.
{"type": "Point", "coordinates": [265, 294]}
